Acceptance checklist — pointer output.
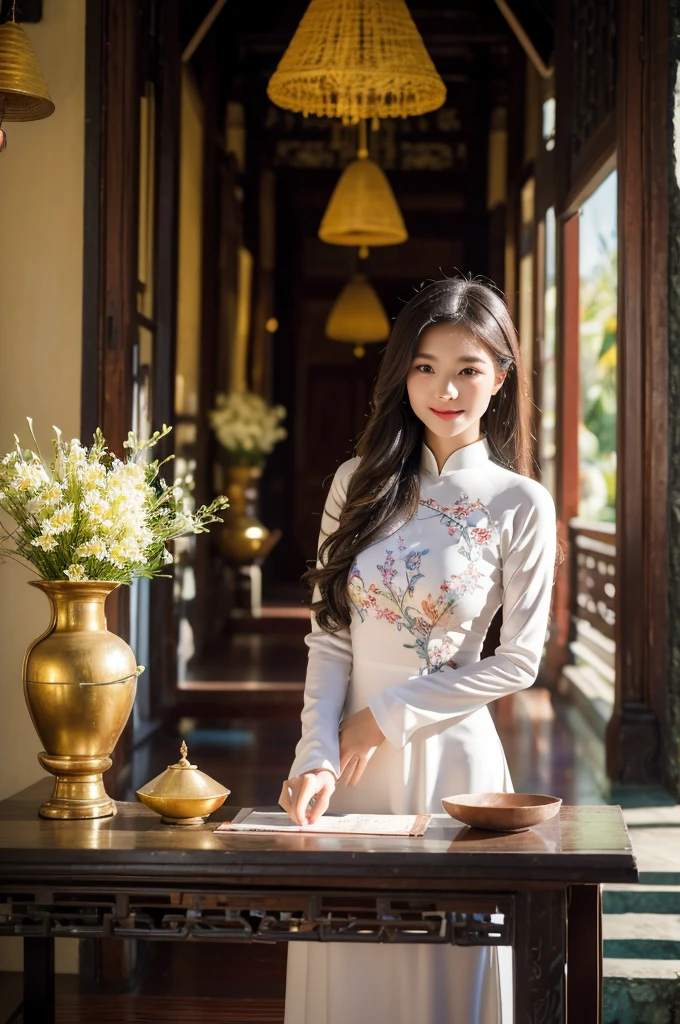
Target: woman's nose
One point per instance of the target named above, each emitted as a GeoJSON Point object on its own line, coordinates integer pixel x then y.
{"type": "Point", "coordinates": [450, 391]}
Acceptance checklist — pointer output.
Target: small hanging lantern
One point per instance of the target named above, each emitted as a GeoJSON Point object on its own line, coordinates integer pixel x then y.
{"type": "Point", "coordinates": [363, 210]}
{"type": "Point", "coordinates": [24, 95]}
{"type": "Point", "coordinates": [355, 59]}
{"type": "Point", "coordinates": [358, 316]}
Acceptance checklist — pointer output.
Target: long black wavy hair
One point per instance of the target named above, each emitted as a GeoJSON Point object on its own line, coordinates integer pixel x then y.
{"type": "Point", "coordinates": [390, 445]}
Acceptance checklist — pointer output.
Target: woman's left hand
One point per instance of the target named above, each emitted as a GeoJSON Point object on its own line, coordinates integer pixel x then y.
{"type": "Point", "coordinates": [360, 737]}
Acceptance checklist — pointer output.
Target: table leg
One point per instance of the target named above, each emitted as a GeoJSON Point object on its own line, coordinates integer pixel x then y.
{"type": "Point", "coordinates": [584, 954]}
{"type": "Point", "coordinates": [38, 980]}
{"type": "Point", "coordinates": [540, 955]}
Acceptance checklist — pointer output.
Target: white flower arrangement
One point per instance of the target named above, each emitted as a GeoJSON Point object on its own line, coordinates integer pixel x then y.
{"type": "Point", "coordinates": [91, 516]}
{"type": "Point", "coordinates": [247, 426]}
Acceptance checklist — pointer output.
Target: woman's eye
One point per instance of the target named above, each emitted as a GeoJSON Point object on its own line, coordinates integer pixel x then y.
{"type": "Point", "coordinates": [423, 366]}
{"type": "Point", "coordinates": [471, 368]}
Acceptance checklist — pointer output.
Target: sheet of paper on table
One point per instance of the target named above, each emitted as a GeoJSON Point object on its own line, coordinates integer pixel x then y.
{"type": "Point", "coordinates": [250, 820]}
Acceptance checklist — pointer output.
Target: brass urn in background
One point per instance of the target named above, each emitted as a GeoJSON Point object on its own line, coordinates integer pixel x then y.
{"type": "Point", "coordinates": [182, 794]}
{"type": "Point", "coordinates": [79, 683]}
{"type": "Point", "coordinates": [243, 536]}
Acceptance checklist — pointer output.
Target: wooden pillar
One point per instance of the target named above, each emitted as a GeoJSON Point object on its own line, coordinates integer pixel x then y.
{"type": "Point", "coordinates": [671, 407]}
{"type": "Point", "coordinates": [637, 731]}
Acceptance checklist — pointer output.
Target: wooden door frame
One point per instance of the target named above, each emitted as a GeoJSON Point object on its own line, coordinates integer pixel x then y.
{"type": "Point", "coordinates": [109, 320]}
{"type": "Point", "coordinates": [110, 273]}
{"type": "Point", "coordinates": [163, 621]}
{"type": "Point", "coordinates": [203, 618]}
{"type": "Point", "coordinates": [110, 256]}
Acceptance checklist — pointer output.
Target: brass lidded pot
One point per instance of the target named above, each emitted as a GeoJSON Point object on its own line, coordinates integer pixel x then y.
{"type": "Point", "coordinates": [182, 794]}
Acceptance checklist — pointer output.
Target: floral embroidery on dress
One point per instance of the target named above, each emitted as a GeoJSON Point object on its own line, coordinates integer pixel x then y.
{"type": "Point", "coordinates": [391, 599]}
{"type": "Point", "coordinates": [391, 602]}
{"type": "Point", "coordinates": [457, 519]}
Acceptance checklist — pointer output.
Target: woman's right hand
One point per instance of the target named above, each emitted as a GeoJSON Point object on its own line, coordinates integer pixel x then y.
{"type": "Point", "coordinates": [296, 794]}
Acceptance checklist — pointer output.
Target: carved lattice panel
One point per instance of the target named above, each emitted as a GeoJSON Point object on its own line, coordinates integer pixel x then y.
{"type": "Point", "coordinates": [594, 573]}
{"type": "Point", "coordinates": [593, 36]}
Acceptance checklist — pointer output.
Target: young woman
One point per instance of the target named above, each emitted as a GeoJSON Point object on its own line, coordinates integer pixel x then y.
{"type": "Point", "coordinates": [425, 534]}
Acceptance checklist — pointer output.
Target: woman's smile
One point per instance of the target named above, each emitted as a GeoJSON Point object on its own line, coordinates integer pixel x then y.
{"type": "Point", "coordinates": [447, 414]}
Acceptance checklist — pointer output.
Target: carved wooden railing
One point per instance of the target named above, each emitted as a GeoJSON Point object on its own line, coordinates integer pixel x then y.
{"type": "Point", "coordinates": [592, 547]}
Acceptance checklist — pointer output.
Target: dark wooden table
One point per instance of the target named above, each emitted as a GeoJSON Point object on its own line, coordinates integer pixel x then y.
{"type": "Point", "coordinates": [130, 876]}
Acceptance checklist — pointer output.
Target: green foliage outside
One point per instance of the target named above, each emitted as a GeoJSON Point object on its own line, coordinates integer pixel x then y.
{"type": "Point", "coordinates": [597, 428]}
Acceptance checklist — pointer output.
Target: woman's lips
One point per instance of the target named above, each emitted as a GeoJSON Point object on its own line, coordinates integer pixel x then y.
{"type": "Point", "coordinates": [451, 414]}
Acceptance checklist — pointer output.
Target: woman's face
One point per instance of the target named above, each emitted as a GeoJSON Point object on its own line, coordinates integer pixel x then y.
{"type": "Point", "coordinates": [452, 380]}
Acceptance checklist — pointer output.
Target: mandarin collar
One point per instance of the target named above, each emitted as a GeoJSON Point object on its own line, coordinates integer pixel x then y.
{"type": "Point", "coordinates": [477, 453]}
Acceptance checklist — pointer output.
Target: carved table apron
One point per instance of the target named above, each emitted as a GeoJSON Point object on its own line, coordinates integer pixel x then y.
{"type": "Point", "coordinates": [130, 876]}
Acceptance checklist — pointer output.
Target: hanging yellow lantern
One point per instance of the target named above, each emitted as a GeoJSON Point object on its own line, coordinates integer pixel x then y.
{"type": "Point", "coordinates": [363, 210]}
{"type": "Point", "coordinates": [24, 95]}
{"type": "Point", "coordinates": [358, 316]}
{"type": "Point", "coordinates": [355, 59]}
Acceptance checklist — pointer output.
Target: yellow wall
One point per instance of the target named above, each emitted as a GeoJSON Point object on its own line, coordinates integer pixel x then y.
{"type": "Point", "coordinates": [41, 262]}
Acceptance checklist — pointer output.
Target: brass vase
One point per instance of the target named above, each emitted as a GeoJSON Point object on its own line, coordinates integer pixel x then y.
{"type": "Point", "coordinates": [242, 535]}
{"type": "Point", "coordinates": [79, 684]}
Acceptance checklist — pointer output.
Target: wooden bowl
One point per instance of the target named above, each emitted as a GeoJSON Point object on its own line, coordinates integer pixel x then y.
{"type": "Point", "coordinates": [502, 812]}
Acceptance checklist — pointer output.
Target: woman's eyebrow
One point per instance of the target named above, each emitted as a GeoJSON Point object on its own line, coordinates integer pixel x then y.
{"type": "Point", "coordinates": [471, 359]}
{"type": "Point", "coordinates": [461, 359]}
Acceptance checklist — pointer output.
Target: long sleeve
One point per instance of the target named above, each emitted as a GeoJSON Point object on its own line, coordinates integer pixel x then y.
{"type": "Point", "coordinates": [329, 664]}
{"type": "Point", "coordinates": [528, 559]}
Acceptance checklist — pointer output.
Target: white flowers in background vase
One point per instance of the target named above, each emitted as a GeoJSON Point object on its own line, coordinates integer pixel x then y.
{"type": "Point", "coordinates": [91, 516]}
{"type": "Point", "coordinates": [247, 426]}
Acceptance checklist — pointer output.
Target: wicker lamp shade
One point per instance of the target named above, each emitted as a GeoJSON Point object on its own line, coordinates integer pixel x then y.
{"type": "Point", "coordinates": [355, 59]}
{"type": "Point", "coordinates": [24, 95]}
{"type": "Point", "coordinates": [358, 316]}
{"type": "Point", "coordinates": [362, 210]}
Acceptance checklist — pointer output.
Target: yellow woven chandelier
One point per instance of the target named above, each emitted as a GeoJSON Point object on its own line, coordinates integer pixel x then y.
{"type": "Point", "coordinates": [355, 59]}
{"type": "Point", "coordinates": [358, 316]}
{"type": "Point", "coordinates": [24, 95]}
{"type": "Point", "coordinates": [362, 210]}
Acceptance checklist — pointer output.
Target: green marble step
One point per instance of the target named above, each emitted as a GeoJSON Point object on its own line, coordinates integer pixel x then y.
{"type": "Point", "coordinates": [641, 936]}
{"type": "Point", "coordinates": [641, 899]}
{"type": "Point", "coordinates": [660, 878]}
{"type": "Point", "coordinates": [644, 949]}
{"type": "Point", "coordinates": [638, 991]}
{"type": "Point", "coordinates": [641, 923]}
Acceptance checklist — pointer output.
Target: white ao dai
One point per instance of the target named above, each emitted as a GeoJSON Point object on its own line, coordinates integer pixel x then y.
{"type": "Point", "coordinates": [423, 599]}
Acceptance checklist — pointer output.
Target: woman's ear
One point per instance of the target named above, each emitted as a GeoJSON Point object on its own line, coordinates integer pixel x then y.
{"type": "Point", "coordinates": [500, 380]}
